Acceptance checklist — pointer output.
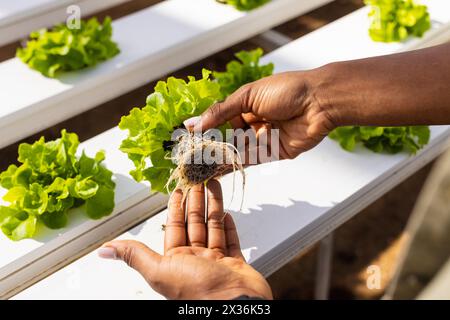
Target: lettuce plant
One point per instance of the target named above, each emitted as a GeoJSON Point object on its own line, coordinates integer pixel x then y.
{"type": "Point", "coordinates": [149, 143]}
{"type": "Point", "coordinates": [51, 180]}
{"type": "Point", "coordinates": [66, 49]}
{"type": "Point", "coordinates": [383, 139]}
{"type": "Point", "coordinates": [247, 69]}
{"type": "Point", "coordinates": [395, 20]}
{"type": "Point", "coordinates": [150, 128]}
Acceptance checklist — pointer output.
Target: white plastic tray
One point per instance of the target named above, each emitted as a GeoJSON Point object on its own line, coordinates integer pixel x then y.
{"type": "Point", "coordinates": [305, 198]}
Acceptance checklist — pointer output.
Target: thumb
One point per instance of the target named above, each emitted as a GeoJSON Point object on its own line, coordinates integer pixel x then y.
{"type": "Point", "coordinates": [136, 254]}
{"type": "Point", "coordinates": [221, 112]}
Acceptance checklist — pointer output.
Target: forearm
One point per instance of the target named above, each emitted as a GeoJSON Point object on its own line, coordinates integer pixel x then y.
{"type": "Point", "coordinates": [411, 88]}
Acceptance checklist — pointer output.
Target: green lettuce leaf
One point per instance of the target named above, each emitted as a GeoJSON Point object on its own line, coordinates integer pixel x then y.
{"type": "Point", "coordinates": [246, 70]}
{"type": "Point", "coordinates": [64, 49]}
{"type": "Point", "coordinates": [245, 5]}
{"type": "Point", "coordinates": [51, 180]}
{"type": "Point", "coordinates": [395, 20]}
{"type": "Point", "coordinates": [101, 204]}
{"type": "Point", "coordinates": [383, 139]}
{"type": "Point", "coordinates": [18, 225]}
{"type": "Point", "coordinates": [150, 129]}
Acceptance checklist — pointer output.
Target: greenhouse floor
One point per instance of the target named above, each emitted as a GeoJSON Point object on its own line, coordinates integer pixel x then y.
{"type": "Point", "coordinates": [372, 237]}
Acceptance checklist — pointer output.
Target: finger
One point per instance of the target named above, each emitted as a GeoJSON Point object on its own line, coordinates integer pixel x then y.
{"type": "Point", "coordinates": [222, 112]}
{"type": "Point", "coordinates": [255, 145]}
{"type": "Point", "coordinates": [267, 146]}
{"type": "Point", "coordinates": [175, 235]}
{"type": "Point", "coordinates": [252, 118]}
{"type": "Point", "coordinates": [260, 128]}
{"type": "Point", "coordinates": [216, 232]}
{"type": "Point", "coordinates": [238, 122]}
{"type": "Point", "coordinates": [232, 238]}
{"type": "Point", "coordinates": [136, 254]}
{"type": "Point", "coordinates": [243, 141]}
{"type": "Point", "coordinates": [196, 228]}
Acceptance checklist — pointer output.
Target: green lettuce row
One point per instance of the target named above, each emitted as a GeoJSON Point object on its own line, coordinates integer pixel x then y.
{"type": "Point", "coordinates": [395, 20]}
{"type": "Point", "coordinates": [150, 128]}
{"type": "Point", "coordinates": [246, 70]}
{"type": "Point", "coordinates": [245, 5]}
{"type": "Point", "coordinates": [63, 49]}
{"type": "Point", "coordinates": [50, 181]}
{"type": "Point", "coordinates": [383, 139]}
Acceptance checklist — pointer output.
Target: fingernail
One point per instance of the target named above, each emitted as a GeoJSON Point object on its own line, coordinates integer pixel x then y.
{"type": "Point", "coordinates": [191, 122]}
{"type": "Point", "coordinates": [107, 253]}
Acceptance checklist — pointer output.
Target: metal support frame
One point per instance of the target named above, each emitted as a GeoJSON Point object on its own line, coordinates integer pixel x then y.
{"type": "Point", "coordinates": [324, 265]}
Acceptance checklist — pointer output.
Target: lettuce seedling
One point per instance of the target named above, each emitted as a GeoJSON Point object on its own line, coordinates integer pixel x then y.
{"type": "Point", "coordinates": [149, 143]}
{"type": "Point", "coordinates": [244, 5]}
{"type": "Point", "coordinates": [383, 139]}
{"type": "Point", "coordinates": [150, 128]}
{"type": "Point", "coordinates": [395, 20]}
{"type": "Point", "coordinates": [66, 49]}
{"type": "Point", "coordinates": [51, 180]}
{"type": "Point", "coordinates": [244, 70]}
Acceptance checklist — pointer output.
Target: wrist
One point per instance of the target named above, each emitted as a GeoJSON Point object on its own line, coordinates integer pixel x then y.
{"type": "Point", "coordinates": [325, 92]}
{"type": "Point", "coordinates": [233, 293]}
{"type": "Point", "coordinates": [230, 294]}
{"type": "Point", "coordinates": [241, 287]}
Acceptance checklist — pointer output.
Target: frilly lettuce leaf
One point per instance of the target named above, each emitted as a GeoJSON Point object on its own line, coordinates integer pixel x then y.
{"type": "Point", "coordinates": [395, 20]}
{"type": "Point", "coordinates": [64, 49]}
{"type": "Point", "coordinates": [150, 129]}
{"type": "Point", "coordinates": [383, 139]}
{"type": "Point", "coordinates": [51, 180]}
{"type": "Point", "coordinates": [246, 70]}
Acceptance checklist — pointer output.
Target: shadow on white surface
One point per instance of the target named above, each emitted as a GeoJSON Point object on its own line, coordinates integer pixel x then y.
{"type": "Point", "coordinates": [254, 240]}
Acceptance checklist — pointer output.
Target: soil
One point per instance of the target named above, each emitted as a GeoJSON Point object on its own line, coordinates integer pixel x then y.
{"type": "Point", "coordinates": [373, 237]}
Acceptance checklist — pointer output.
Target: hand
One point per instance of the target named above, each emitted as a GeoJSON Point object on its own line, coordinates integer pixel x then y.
{"type": "Point", "coordinates": [200, 261]}
{"type": "Point", "coordinates": [284, 101]}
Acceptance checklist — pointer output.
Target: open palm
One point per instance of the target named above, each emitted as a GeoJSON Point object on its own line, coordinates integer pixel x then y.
{"type": "Point", "coordinates": [201, 260]}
